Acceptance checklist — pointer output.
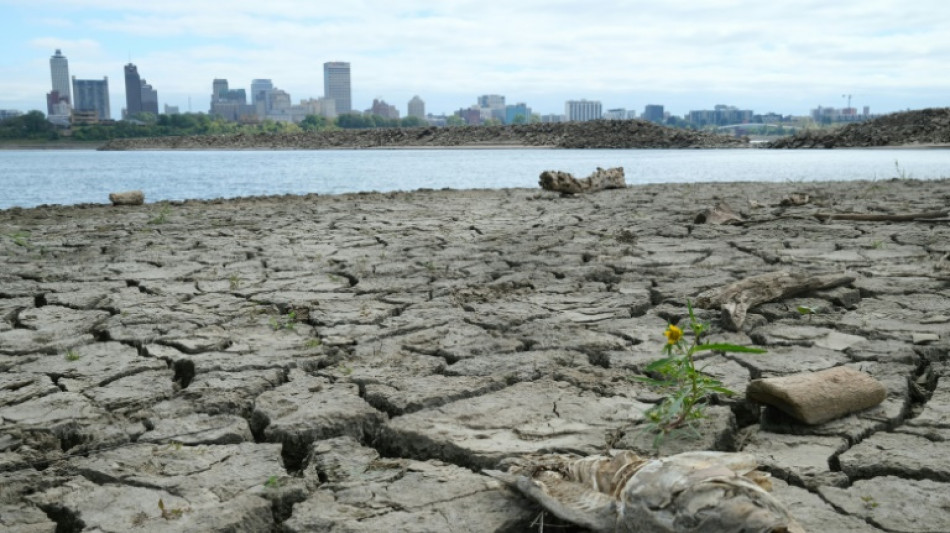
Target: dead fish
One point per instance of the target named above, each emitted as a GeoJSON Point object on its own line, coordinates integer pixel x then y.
{"type": "Point", "coordinates": [693, 492]}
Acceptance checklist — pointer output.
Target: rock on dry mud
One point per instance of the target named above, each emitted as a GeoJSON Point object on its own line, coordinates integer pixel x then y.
{"type": "Point", "coordinates": [350, 363]}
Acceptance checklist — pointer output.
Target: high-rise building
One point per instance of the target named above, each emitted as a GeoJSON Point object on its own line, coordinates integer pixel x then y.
{"type": "Point", "coordinates": [92, 95]}
{"type": "Point", "coordinates": [582, 110]}
{"type": "Point", "coordinates": [259, 88]}
{"type": "Point", "coordinates": [519, 113]}
{"type": "Point", "coordinates": [417, 107]}
{"type": "Point", "coordinates": [336, 85]}
{"type": "Point", "coordinates": [59, 71]}
{"type": "Point", "coordinates": [230, 104]}
{"type": "Point", "coordinates": [149, 99]}
{"type": "Point", "coordinates": [653, 113]}
{"type": "Point", "coordinates": [133, 90]}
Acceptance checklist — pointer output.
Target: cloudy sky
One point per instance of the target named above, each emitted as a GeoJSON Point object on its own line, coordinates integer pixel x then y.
{"type": "Point", "coordinates": [767, 55]}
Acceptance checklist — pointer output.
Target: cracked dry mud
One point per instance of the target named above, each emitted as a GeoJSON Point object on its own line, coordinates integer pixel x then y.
{"type": "Point", "coordinates": [351, 363]}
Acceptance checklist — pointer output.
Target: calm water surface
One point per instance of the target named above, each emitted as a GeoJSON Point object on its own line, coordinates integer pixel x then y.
{"type": "Point", "coordinates": [32, 177]}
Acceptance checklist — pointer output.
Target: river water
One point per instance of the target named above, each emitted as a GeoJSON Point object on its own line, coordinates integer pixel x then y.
{"type": "Point", "coordinates": [33, 177]}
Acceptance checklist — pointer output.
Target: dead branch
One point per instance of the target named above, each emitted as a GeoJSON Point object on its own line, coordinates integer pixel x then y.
{"type": "Point", "coordinates": [565, 183]}
{"type": "Point", "coordinates": [927, 215]}
{"type": "Point", "coordinates": [735, 299]}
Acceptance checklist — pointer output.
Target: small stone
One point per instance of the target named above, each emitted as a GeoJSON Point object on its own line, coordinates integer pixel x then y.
{"type": "Point", "coordinates": [127, 198]}
{"type": "Point", "coordinates": [818, 397]}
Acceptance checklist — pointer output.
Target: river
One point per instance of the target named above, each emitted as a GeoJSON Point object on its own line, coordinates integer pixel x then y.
{"type": "Point", "coordinates": [33, 177]}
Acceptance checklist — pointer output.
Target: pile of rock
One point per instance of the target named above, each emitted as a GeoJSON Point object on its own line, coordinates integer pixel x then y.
{"type": "Point", "coordinates": [926, 126]}
{"type": "Point", "coordinates": [593, 134]}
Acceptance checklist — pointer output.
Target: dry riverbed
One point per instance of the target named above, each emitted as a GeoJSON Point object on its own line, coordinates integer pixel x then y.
{"type": "Point", "coordinates": [351, 363]}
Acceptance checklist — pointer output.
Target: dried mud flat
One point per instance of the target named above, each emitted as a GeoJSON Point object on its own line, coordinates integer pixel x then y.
{"type": "Point", "coordinates": [351, 363]}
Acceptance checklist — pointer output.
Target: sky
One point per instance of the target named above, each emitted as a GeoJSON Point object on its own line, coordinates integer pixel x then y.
{"type": "Point", "coordinates": [779, 56]}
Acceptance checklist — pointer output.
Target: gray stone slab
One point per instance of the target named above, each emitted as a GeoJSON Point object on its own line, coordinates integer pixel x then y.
{"type": "Point", "coordinates": [894, 504]}
{"type": "Point", "coordinates": [897, 454]}
{"type": "Point", "coordinates": [936, 412]}
{"type": "Point", "coordinates": [816, 514]}
{"type": "Point", "coordinates": [524, 418]}
{"type": "Point", "coordinates": [198, 428]}
{"type": "Point", "coordinates": [803, 460]}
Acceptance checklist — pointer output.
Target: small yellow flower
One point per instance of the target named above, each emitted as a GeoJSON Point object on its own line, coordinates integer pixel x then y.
{"type": "Point", "coordinates": [673, 334]}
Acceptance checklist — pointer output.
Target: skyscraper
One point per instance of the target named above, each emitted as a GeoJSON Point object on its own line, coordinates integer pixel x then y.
{"type": "Point", "coordinates": [149, 99]}
{"type": "Point", "coordinates": [59, 72]}
{"type": "Point", "coordinates": [92, 95]}
{"type": "Point", "coordinates": [582, 110]}
{"type": "Point", "coordinates": [336, 85]}
{"type": "Point", "coordinates": [417, 108]}
{"type": "Point", "coordinates": [133, 90]}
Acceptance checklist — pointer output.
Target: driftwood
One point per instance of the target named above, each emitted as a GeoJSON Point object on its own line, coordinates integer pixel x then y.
{"type": "Point", "coordinates": [563, 182]}
{"type": "Point", "coordinates": [816, 397]}
{"type": "Point", "coordinates": [719, 214]}
{"type": "Point", "coordinates": [735, 299]}
{"type": "Point", "coordinates": [709, 492]}
{"type": "Point", "coordinates": [909, 217]}
{"type": "Point", "coordinates": [127, 198]}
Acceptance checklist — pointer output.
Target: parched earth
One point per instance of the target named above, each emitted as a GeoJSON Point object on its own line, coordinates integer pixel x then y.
{"type": "Point", "coordinates": [351, 363]}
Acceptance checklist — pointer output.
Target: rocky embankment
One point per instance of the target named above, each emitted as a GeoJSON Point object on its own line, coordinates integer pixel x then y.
{"type": "Point", "coordinates": [351, 363]}
{"type": "Point", "coordinates": [594, 134]}
{"type": "Point", "coordinates": [923, 127]}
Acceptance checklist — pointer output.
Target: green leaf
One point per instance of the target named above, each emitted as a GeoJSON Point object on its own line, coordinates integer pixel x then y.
{"type": "Point", "coordinates": [659, 363]}
{"type": "Point", "coordinates": [722, 390]}
{"type": "Point", "coordinates": [727, 348]}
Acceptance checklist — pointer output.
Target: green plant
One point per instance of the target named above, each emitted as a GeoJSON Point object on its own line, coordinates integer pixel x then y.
{"type": "Point", "coordinates": [234, 282]}
{"type": "Point", "coordinates": [71, 355]}
{"type": "Point", "coordinates": [686, 387]}
{"type": "Point", "coordinates": [272, 482]}
{"type": "Point", "coordinates": [170, 514]}
{"type": "Point", "coordinates": [804, 310]}
{"type": "Point", "coordinates": [313, 343]}
{"type": "Point", "coordinates": [20, 238]}
{"type": "Point", "coordinates": [288, 321]}
{"type": "Point", "coordinates": [162, 216]}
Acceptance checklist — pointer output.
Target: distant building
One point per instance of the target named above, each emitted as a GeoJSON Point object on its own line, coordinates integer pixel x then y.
{"type": "Point", "coordinates": [325, 107]}
{"type": "Point", "coordinates": [552, 118]}
{"type": "Point", "coordinates": [653, 113]}
{"type": "Point", "coordinates": [492, 107]}
{"type": "Point", "coordinates": [171, 110]}
{"type": "Point", "coordinates": [9, 113]}
{"type": "Point", "coordinates": [259, 91]}
{"type": "Point", "coordinates": [472, 116]}
{"type": "Point", "coordinates": [512, 112]}
{"type": "Point", "coordinates": [59, 73]}
{"type": "Point", "coordinates": [133, 90]}
{"type": "Point", "coordinates": [382, 109]}
{"type": "Point", "coordinates": [149, 99]}
{"type": "Point", "coordinates": [417, 108]}
{"type": "Point", "coordinates": [230, 104]}
{"type": "Point", "coordinates": [721, 115]}
{"type": "Point", "coordinates": [582, 110]}
{"type": "Point", "coordinates": [616, 114]}
{"type": "Point", "coordinates": [336, 85]}
{"type": "Point", "coordinates": [92, 95]}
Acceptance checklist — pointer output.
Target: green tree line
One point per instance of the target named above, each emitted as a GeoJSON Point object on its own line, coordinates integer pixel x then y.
{"type": "Point", "coordinates": [34, 126]}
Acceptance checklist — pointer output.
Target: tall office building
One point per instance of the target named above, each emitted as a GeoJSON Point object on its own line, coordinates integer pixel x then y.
{"type": "Point", "coordinates": [653, 113]}
{"type": "Point", "coordinates": [582, 110]}
{"type": "Point", "coordinates": [92, 95]}
{"type": "Point", "coordinates": [149, 99]}
{"type": "Point", "coordinates": [417, 108]}
{"type": "Point", "coordinates": [59, 70]}
{"type": "Point", "coordinates": [133, 90]}
{"type": "Point", "coordinates": [336, 85]}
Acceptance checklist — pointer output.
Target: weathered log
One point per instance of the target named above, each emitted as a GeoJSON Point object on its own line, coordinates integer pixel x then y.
{"type": "Point", "coordinates": [564, 182]}
{"type": "Point", "coordinates": [127, 198]}
{"type": "Point", "coordinates": [712, 492]}
{"type": "Point", "coordinates": [817, 397]}
{"type": "Point", "coordinates": [719, 214]}
{"type": "Point", "coordinates": [735, 299]}
{"type": "Point", "coordinates": [870, 217]}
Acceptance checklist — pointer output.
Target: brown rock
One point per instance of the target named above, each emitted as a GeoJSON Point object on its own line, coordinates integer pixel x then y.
{"type": "Point", "coordinates": [818, 397]}
{"type": "Point", "coordinates": [127, 198]}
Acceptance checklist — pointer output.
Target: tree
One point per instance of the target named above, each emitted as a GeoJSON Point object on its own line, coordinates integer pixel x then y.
{"type": "Point", "coordinates": [454, 120]}
{"type": "Point", "coordinates": [519, 119]}
{"type": "Point", "coordinates": [313, 123]}
{"type": "Point", "coordinates": [412, 122]}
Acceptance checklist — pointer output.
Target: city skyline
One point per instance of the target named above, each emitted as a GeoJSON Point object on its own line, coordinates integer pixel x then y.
{"type": "Point", "coordinates": [785, 58]}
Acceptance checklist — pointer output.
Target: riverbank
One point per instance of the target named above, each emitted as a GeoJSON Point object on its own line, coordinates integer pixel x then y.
{"type": "Point", "coordinates": [353, 362]}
